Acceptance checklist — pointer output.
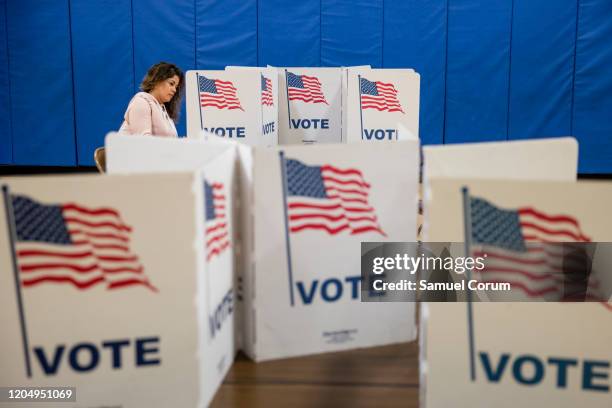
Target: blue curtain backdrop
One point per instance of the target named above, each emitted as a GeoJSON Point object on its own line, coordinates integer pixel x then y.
{"type": "Point", "coordinates": [490, 70]}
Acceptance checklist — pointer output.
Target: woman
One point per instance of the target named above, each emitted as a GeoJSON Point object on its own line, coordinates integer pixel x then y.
{"type": "Point", "coordinates": [155, 110]}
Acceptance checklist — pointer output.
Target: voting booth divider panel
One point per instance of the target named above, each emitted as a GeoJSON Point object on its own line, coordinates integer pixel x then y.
{"type": "Point", "coordinates": [380, 100]}
{"type": "Point", "coordinates": [237, 104]}
{"type": "Point", "coordinates": [303, 105]}
{"type": "Point", "coordinates": [304, 275]}
{"type": "Point", "coordinates": [523, 353]}
{"type": "Point", "coordinates": [113, 288]}
{"type": "Point", "coordinates": [310, 105]}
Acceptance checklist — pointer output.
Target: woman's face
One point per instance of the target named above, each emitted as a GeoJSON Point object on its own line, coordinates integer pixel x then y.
{"type": "Point", "coordinates": [165, 90]}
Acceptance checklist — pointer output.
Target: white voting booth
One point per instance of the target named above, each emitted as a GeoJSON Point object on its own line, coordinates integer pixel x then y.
{"type": "Point", "coordinates": [302, 272]}
{"type": "Point", "coordinates": [164, 155]}
{"type": "Point", "coordinates": [237, 104]}
{"type": "Point", "coordinates": [114, 289]}
{"type": "Point", "coordinates": [146, 154]}
{"type": "Point", "coordinates": [304, 105]}
{"type": "Point", "coordinates": [310, 105]}
{"type": "Point", "coordinates": [525, 354]}
{"type": "Point", "coordinates": [536, 159]}
{"type": "Point", "coordinates": [269, 99]}
{"type": "Point", "coordinates": [380, 99]}
{"type": "Point", "coordinates": [326, 314]}
{"type": "Point", "coordinates": [527, 339]}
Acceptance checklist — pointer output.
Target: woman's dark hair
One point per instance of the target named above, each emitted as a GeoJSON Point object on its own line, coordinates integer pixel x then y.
{"type": "Point", "coordinates": [160, 72]}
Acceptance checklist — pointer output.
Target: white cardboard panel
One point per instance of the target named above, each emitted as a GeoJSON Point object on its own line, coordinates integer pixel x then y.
{"type": "Point", "coordinates": [269, 112]}
{"type": "Point", "coordinates": [547, 159]}
{"type": "Point", "coordinates": [125, 156]}
{"type": "Point", "coordinates": [538, 159]}
{"type": "Point", "coordinates": [527, 335]}
{"type": "Point", "coordinates": [160, 353]}
{"type": "Point", "coordinates": [220, 303]}
{"type": "Point", "coordinates": [237, 110]}
{"type": "Point", "coordinates": [326, 313]}
{"type": "Point", "coordinates": [312, 120]}
{"type": "Point", "coordinates": [396, 102]}
{"type": "Point", "coordinates": [147, 154]}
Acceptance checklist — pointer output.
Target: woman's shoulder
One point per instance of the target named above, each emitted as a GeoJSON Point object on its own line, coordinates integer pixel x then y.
{"type": "Point", "coordinates": [143, 96]}
{"type": "Point", "coordinates": [142, 100]}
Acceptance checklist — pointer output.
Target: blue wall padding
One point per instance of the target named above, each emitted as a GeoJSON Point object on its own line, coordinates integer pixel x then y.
{"type": "Point", "coordinates": [351, 32]}
{"type": "Point", "coordinates": [415, 37]}
{"type": "Point", "coordinates": [593, 86]}
{"type": "Point", "coordinates": [477, 70]}
{"type": "Point", "coordinates": [541, 71]}
{"type": "Point", "coordinates": [6, 144]}
{"type": "Point", "coordinates": [101, 37]}
{"type": "Point", "coordinates": [490, 70]}
{"type": "Point", "coordinates": [164, 31]}
{"type": "Point", "coordinates": [40, 77]}
{"type": "Point", "coordinates": [226, 33]}
{"type": "Point", "coordinates": [289, 33]}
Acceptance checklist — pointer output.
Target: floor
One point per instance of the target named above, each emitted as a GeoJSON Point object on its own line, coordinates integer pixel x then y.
{"type": "Point", "coordinates": [385, 376]}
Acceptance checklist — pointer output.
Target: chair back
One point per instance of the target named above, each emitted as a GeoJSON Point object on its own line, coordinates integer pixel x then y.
{"type": "Point", "coordinates": [100, 159]}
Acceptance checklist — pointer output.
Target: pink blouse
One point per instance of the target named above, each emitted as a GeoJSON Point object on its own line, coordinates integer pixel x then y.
{"type": "Point", "coordinates": [146, 116]}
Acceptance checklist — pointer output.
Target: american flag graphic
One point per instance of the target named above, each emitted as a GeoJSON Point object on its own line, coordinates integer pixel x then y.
{"type": "Point", "coordinates": [328, 198]}
{"type": "Point", "coordinates": [216, 229]}
{"type": "Point", "coordinates": [379, 95]}
{"type": "Point", "coordinates": [75, 245]}
{"type": "Point", "coordinates": [305, 88]}
{"type": "Point", "coordinates": [266, 92]}
{"type": "Point", "coordinates": [524, 247]}
{"type": "Point", "coordinates": [217, 93]}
